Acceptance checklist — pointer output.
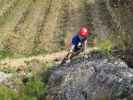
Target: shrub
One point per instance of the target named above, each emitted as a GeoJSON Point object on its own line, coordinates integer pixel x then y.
{"type": "Point", "coordinates": [5, 53]}
{"type": "Point", "coordinates": [34, 88]}
{"type": "Point", "coordinates": [106, 45]}
{"type": "Point", "coordinates": [7, 93]}
{"type": "Point", "coordinates": [91, 39]}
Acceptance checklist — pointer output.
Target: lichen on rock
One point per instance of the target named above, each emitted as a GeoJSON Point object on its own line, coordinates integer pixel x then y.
{"type": "Point", "coordinates": [99, 77]}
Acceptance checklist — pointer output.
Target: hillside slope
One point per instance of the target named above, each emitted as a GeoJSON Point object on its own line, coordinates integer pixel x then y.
{"type": "Point", "coordinates": [38, 26]}
{"type": "Point", "coordinates": [28, 26]}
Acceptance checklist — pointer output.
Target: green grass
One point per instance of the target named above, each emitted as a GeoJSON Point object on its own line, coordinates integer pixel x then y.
{"type": "Point", "coordinates": [7, 93]}
{"type": "Point", "coordinates": [8, 54]}
{"type": "Point", "coordinates": [5, 54]}
{"type": "Point", "coordinates": [90, 40]}
{"type": "Point", "coordinates": [33, 90]}
{"type": "Point", "coordinates": [106, 45]}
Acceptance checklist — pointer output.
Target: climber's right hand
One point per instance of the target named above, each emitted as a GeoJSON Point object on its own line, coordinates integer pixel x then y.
{"type": "Point", "coordinates": [72, 49]}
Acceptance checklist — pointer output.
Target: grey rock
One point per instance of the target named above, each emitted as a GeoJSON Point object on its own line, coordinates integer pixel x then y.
{"type": "Point", "coordinates": [99, 77]}
{"type": "Point", "coordinates": [4, 76]}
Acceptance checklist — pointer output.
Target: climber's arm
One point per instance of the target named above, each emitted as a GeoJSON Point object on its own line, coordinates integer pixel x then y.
{"type": "Point", "coordinates": [85, 45]}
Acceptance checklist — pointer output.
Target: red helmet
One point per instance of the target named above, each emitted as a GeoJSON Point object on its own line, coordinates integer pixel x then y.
{"type": "Point", "coordinates": [84, 32]}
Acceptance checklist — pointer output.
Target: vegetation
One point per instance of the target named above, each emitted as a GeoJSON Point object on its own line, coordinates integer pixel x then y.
{"type": "Point", "coordinates": [32, 27]}
{"type": "Point", "coordinates": [7, 93]}
{"type": "Point", "coordinates": [32, 90]}
{"type": "Point", "coordinates": [91, 39]}
{"type": "Point", "coordinates": [46, 23]}
{"type": "Point", "coordinates": [106, 45]}
{"type": "Point", "coordinates": [8, 54]}
{"type": "Point", "coordinates": [31, 87]}
{"type": "Point", "coordinates": [5, 54]}
{"type": "Point", "coordinates": [41, 26]}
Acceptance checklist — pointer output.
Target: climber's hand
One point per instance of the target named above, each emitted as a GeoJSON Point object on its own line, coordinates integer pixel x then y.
{"type": "Point", "coordinates": [79, 45]}
{"type": "Point", "coordinates": [72, 49]}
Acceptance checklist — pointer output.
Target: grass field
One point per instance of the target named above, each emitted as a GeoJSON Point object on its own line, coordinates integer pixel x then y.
{"type": "Point", "coordinates": [41, 26]}
{"type": "Point", "coordinates": [37, 26]}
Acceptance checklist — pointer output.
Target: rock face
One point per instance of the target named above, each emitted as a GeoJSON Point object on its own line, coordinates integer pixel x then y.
{"type": "Point", "coordinates": [125, 54]}
{"type": "Point", "coordinates": [99, 77]}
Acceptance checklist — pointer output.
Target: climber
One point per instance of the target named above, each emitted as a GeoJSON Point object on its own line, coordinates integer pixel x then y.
{"type": "Point", "coordinates": [78, 44]}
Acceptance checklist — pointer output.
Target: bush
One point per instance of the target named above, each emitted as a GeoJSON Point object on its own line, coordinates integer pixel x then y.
{"type": "Point", "coordinates": [106, 45]}
{"type": "Point", "coordinates": [33, 90]}
{"type": "Point", "coordinates": [5, 54]}
{"type": "Point", "coordinates": [7, 93]}
{"type": "Point", "coordinates": [91, 40]}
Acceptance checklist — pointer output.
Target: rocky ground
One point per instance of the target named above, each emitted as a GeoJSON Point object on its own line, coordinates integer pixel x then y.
{"type": "Point", "coordinates": [124, 54]}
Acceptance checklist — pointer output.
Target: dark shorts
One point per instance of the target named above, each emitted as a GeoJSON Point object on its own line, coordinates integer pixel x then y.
{"type": "Point", "coordinates": [78, 49]}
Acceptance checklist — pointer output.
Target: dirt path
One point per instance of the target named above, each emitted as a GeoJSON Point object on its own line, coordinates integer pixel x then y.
{"type": "Point", "coordinates": [22, 62]}
{"type": "Point", "coordinates": [18, 62]}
